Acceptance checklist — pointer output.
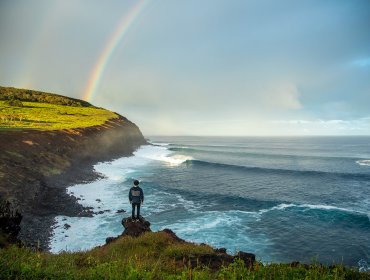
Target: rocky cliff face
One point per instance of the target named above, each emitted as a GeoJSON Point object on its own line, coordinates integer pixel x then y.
{"type": "Point", "coordinates": [36, 166]}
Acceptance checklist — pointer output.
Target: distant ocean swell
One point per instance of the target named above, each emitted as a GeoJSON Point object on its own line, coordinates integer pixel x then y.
{"type": "Point", "coordinates": [279, 171]}
{"type": "Point", "coordinates": [260, 154]}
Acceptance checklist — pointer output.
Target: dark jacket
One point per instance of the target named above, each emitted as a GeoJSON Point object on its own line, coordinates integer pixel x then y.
{"type": "Point", "coordinates": [136, 195]}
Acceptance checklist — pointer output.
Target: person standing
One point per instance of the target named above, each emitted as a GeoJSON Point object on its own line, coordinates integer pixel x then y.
{"type": "Point", "coordinates": [136, 197]}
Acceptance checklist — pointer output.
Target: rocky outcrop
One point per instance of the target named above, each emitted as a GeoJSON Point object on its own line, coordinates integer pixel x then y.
{"type": "Point", "coordinates": [36, 166]}
{"type": "Point", "coordinates": [214, 260]}
{"type": "Point", "coordinates": [132, 228]}
{"type": "Point", "coordinates": [9, 224]}
{"type": "Point", "coordinates": [135, 228]}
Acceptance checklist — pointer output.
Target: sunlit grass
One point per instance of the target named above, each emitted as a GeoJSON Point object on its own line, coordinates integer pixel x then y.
{"type": "Point", "coordinates": [151, 256]}
{"type": "Point", "coordinates": [44, 116]}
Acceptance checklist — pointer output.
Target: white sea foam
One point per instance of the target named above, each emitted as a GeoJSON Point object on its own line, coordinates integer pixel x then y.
{"type": "Point", "coordinates": [208, 226]}
{"type": "Point", "coordinates": [109, 195]}
{"type": "Point", "coordinates": [187, 204]}
{"type": "Point", "coordinates": [364, 162]}
{"type": "Point", "coordinates": [284, 206]}
{"type": "Point", "coordinates": [258, 214]}
{"type": "Point", "coordinates": [159, 144]}
{"type": "Point", "coordinates": [162, 154]}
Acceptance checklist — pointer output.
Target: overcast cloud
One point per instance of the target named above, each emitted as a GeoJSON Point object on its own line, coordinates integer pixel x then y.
{"type": "Point", "coordinates": [201, 67]}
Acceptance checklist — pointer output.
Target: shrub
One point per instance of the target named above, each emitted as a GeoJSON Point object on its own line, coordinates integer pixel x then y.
{"type": "Point", "coordinates": [14, 102]}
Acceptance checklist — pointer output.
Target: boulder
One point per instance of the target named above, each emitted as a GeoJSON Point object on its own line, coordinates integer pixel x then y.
{"type": "Point", "coordinates": [132, 228]}
{"type": "Point", "coordinates": [136, 227]}
{"type": "Point", "coordinates": [10, 220]}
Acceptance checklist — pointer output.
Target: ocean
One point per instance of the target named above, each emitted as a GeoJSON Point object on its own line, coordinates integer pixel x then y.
{"type": "Point", "coordinates": [284, 199]}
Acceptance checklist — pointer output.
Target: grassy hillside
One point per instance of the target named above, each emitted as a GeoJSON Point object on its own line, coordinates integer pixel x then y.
{"type": "Point", "coordinates": [150, 256]}
{"type": "Point", "coordinates": [27, 109]}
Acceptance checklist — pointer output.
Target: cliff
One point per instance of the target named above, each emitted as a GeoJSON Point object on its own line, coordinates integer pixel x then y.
{"type": "Point", "coordinates": [37, 165]}
{"type": "Point", "coordinates": [139, 253]}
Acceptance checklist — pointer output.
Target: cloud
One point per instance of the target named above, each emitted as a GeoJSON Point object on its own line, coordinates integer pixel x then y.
{"type": "Point", "coordinates": [360, 126]}
{"type": "Point", "coordinates": [284, 96]}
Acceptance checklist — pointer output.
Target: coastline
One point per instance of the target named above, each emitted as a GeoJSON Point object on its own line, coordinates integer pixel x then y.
{"type": "Point", "coordinates": [38, 166]}
{"type": "Point", "coordinates": [36, 230]}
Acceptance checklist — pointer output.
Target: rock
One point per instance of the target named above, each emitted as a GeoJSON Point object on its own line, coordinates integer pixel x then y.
{"type": "Point", "coordinates": [10, 220]}
{"type": "Point", "coordinates": [120, 211]}
{"type": "Point", "coordinates": [135, 227]}
{"type": "Point", "coordinates": [294, 264]}
{"type": "Point", "coordinates": [248, 258]}
{"type": "Point", "coordinates": [67, 226]}
{"type": "Point", "coordinates": [98, 200]}
{"type": "Point", "coordinates": [173, 235]}
{"type": "Point", "coordinates": [221, 250]}
{"type": "Point", "coordinates": [110, 239]}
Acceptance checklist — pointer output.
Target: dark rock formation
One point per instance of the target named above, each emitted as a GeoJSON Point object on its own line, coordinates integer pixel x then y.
{"type": "Point", "coordinates": [10, 220]}
{"type": "Point", "coordinates": [132, 228]}
{"type": "Point", "coordinates": [37, 166]}
{"type": "Point", "coordinates": [248, 258]}
{"type": "Point", "coordinates": [135, 228]}
{"type": "Point", "coordinates": [214, 260]}
{"type": "Point", "coordinates": [217, 259]}
{"type": "Point", "coordinates": [67, 226]}
{"type": "Point", "coordinates": [173, 235]}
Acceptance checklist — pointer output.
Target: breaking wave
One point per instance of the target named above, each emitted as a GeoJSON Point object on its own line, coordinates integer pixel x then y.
{"type": "Point", "coordinates": [278, 171]}
{"type": "Point", "coordinates": [365, 162]}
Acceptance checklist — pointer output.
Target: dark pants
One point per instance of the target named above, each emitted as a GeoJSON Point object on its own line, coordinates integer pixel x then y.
{"type": "Point", "coordinates": [137, 205]}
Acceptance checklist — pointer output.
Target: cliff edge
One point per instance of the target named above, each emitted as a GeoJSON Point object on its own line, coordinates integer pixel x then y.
{"type": "Point", "coordinates": [37, 165]}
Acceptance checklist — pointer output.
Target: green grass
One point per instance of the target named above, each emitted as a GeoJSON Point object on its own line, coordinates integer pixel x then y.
{"type": "Point", "coordinates": [151, 256]}
{"type": "Point", "coordinates": [45, 116]}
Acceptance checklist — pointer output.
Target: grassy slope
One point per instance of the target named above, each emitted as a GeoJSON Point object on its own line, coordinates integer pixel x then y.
{"type": "Point", "coordinates": [151, 256]}
{"type": "Point", "coordinates": [46, 111]}
{"type": "Point", "coordinates": [46, 116]}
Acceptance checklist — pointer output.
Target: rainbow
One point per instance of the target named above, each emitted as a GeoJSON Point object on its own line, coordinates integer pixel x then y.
{"type": "Point", "coordinates": [100, 65]}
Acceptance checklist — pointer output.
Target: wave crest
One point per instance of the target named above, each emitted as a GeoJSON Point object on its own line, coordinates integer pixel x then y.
{"type": "Point", "coordinates": [280, 171]}
{"type": "Point", "coordinates": [364, 162]}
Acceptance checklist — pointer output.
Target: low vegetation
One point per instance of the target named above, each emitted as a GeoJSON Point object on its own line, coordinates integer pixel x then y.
{"type": "Point", "coordinates": [10, 93]}
{"type": "Point", "coordinates": [27, 109]}
{"type": "Point", "coordinates": [150, 256]}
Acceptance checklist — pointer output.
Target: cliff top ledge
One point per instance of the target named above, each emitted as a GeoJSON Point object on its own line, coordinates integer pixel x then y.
{"type": "Point", "coordinates": [212, 258]}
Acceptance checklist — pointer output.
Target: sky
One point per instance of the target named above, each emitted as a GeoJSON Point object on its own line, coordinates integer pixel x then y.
{"type": "Point", "coordinates": [199, 67]}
